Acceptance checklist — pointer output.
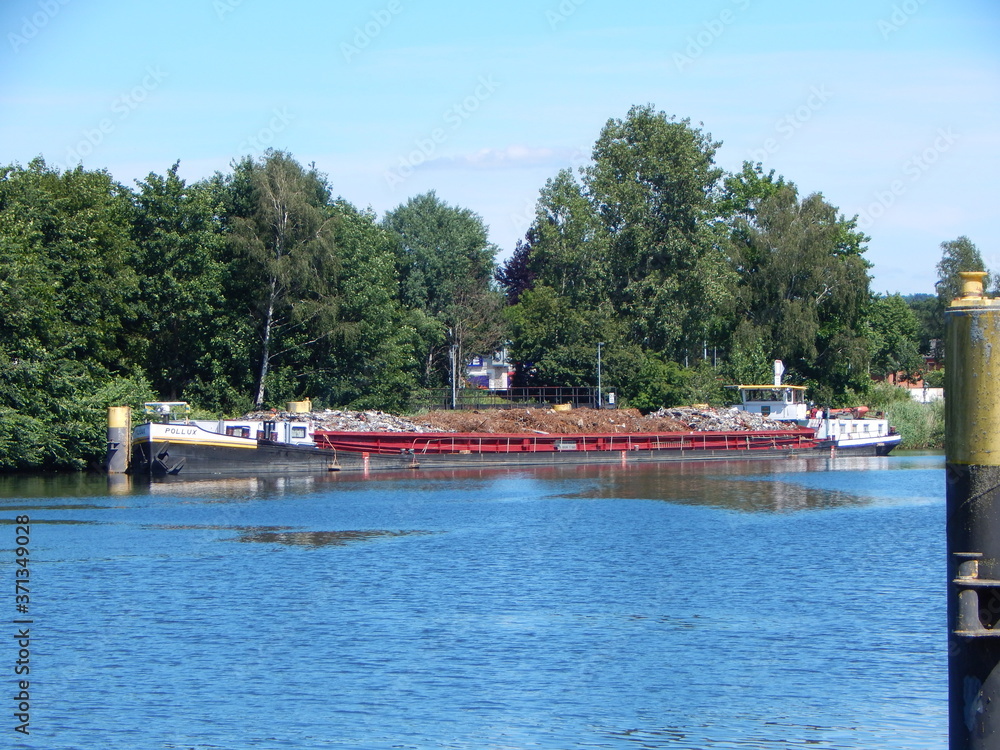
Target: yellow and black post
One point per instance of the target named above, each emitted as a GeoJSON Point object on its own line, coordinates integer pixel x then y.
{"type": "Point", "coordinates": [119, 439]}
{"type": "Point", "coordinates": [972, 424]}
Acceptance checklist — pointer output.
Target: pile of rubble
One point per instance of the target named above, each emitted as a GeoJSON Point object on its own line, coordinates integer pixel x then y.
{"type": "Point", "coordinates": [716, 419]}
{"type": "Point", "coordinates": [346, 421]}
{"type": "Point", "coordinates": [548, 421]}
{"type": "Point", "coordinates": [542, 421]}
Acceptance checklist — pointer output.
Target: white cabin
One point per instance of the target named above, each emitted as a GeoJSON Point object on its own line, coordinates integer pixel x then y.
{"type": "Point", "coordinates": [175, 413]}
{"type": "Point", "coordinates": [850, 430]}
{"type": "Point", "coordinates": [786, 403]}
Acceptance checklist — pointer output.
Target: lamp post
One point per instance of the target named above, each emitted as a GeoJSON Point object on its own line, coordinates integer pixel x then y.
{"type": "Point", "coordinates": [454, 376]}
{"type": "Point", "coordinates": [600, 397]}
{"type": "Point", "coordinates": [453, 361]}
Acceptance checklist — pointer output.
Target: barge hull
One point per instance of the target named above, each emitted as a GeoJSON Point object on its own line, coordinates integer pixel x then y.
{"type": "Point", "coordinates": [187, 451]}
{"type": "Point", "coordinates": [393, 452]}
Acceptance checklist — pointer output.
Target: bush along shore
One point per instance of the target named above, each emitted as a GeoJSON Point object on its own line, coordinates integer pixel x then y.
{"type": "Point", "coordinates": [921, 425]}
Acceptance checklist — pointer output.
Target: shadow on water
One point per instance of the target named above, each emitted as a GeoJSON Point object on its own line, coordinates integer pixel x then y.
{"type": "Point", "coordinates": [712, 489]}
{"type": "Point", "coordinates": [64, 485]}
{"type": "Point", "coordinates": [288, 535]}
{"type": "Point", "coordinates": [319, 538]}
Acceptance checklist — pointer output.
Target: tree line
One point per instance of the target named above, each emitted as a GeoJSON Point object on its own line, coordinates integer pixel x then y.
{"type": "Point", "coordinates": [260, 286]}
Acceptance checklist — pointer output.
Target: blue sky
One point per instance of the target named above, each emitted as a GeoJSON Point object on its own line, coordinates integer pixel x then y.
{"type": "Point", "coordinates": [890, 108]}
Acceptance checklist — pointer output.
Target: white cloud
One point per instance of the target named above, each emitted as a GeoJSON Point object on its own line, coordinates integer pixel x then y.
{"type": "Point", "coordinates": [511, 157]}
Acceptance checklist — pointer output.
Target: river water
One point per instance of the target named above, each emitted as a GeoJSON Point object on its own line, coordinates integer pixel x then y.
{"type": "Point", "coordinates": [705, 606]}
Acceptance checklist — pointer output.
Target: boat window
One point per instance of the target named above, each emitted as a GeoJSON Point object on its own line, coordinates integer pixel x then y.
{"type": "Point", "coordinates": [238, 431]}
{"type": "Point", "coordinates": [298, 432]}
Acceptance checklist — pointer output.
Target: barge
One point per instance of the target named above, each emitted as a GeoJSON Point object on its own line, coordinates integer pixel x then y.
{"type": "Point", "coordinates": [170, 444]}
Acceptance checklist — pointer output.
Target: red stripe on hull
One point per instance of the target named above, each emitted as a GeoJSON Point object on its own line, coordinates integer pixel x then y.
{"type": "Point", "coordinates": [426, 443]}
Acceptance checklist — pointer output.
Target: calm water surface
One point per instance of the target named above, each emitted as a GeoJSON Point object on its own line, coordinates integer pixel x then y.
{"type": "Point", "coordinates": [744, 605]}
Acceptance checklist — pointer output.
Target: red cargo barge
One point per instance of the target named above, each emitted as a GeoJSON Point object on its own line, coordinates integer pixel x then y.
{"type": "Point", "coordinates": [457, 450]}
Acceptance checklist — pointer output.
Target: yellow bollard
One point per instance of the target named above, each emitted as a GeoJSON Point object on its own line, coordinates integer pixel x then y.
{"type": "Point", "coordinates": [972, 455]}
{"type": "Point", "coordinates": [119, 439]}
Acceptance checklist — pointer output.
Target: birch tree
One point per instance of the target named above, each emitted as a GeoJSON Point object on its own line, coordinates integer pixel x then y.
{"type": "Point", "coordinates": [287, 250]}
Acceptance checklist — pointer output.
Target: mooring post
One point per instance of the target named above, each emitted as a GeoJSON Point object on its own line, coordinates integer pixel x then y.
{"type": "Point", "coordinates": [119, 439]}
{"type": "Point", "coordinates": [972, 455]}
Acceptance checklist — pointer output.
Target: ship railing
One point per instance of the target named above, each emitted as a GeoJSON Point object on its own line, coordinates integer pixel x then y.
{"type": "Point", "coordinates": [388, 443]}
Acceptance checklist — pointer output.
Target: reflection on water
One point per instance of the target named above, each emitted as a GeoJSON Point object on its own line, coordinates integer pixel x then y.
{"type": "Point", "coordinates": [319, 538]}
{"type": "Point", "coordinates": [288, 534]}
{"type": "Point", "coordinates": [212, 527]}
{"type": "Point", "coordinates": [725, 484]}
{"type": "Point", "coordinates": [702, 488]}
{"type": "Point", "coordinates": [26, 486]}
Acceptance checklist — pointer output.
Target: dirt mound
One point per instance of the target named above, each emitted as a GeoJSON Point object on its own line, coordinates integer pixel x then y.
{"type": "Point", "coordinates": [549, 421]}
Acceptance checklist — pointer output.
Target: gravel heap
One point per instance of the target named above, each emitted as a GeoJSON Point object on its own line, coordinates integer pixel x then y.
{"type": "Point", "coordinates": [347, 421]}
{"type": "Point", "coordinates": [722, 420]}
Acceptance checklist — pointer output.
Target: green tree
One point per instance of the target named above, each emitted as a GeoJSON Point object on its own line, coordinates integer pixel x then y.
{"type": "Point", "coordinates": [67, 312]}
{"type": "Point", "coordinates": [180, 254]}
{"type": "Point", "coordinates": [565, 260]}
{"type": "Point", "coordinates": [657, 383]}
{"type": "Point", "coordinates": [929, 312]}
{"type": "Point", "coordinates": [445, 263]}
{"type": "Point", "coordinates": [803, 291]}
{"type": "Point", "coordinates": [286, 257]}
{"type": "Point", "coordinates": [895, 333]}
{"type": "Point", "coordinates": [551, 337]}
{"type": "Point", "coordinates": [957, 256]}
{"type": "Point", "coordinates": [654, 183]}
{"type": "Point", "coordinates": [66, 266]}
{"type": "Point", "coordinates": [569, 243]}
{"type": "Point", "coordinates": [368, 361]}
{"type": "Point", "coordinates": [745, 190]}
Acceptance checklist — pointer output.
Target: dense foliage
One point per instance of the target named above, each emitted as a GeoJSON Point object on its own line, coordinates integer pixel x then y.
{"type": "Point", "coordinates": [260, 286]}
{"type": "Point", "coordinates": [675, 267]}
